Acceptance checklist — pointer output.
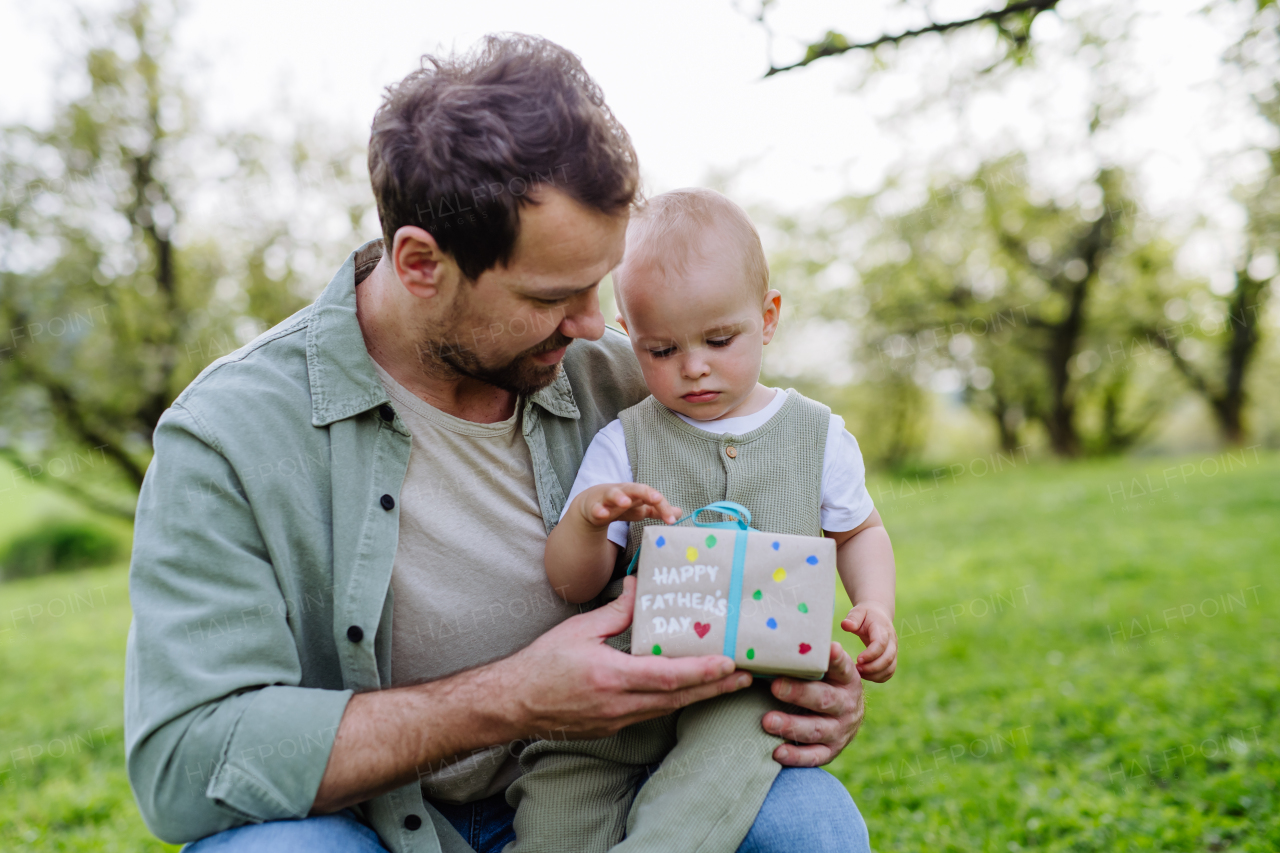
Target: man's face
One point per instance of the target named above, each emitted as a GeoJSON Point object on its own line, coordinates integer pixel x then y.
{"type": "Point", "coordinates": [510, 327]}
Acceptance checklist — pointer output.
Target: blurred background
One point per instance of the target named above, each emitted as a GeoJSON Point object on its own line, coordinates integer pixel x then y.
{"type": "Point", "coordinates": [1027, 249]}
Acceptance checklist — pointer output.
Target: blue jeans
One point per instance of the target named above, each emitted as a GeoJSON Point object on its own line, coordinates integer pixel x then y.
{"type": "Point", "coordinates": [807, 811]}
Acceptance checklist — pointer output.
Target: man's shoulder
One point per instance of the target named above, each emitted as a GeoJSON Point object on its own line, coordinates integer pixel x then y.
{"type": "Point", "coordinates": [268, 374]}
{"type": "Point", "coordinates": [604, 375]}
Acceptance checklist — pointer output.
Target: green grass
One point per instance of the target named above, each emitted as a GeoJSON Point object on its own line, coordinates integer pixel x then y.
{"type": "Point", "coordinates": [1028, 711]}
{"type": "Point", "coordinates": [1086, 664]}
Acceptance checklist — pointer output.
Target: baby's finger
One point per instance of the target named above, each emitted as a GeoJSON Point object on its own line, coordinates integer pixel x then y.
{"type": "Point", "coordinates": [881, 667]}
{"type": "Point", "coordinates": [882, 674]}
{"type": "Point", "coordinates": [872, 652]}
{"type": "Point", "coordinates": [664, 510]}
{"type": "Point", "coordinates": [879, 642]}
{"type": "Point", "coordinates": [855, 621]}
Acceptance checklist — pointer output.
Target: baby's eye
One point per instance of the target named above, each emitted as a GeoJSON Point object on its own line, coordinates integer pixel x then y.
{"type": "Point", "coordinates": [662, 353]}
{"type": "Point", "coordinates": [721, 342]}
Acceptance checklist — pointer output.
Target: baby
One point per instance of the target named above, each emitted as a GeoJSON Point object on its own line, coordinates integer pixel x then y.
{"type": "Point", "coordinates": [693, 294]}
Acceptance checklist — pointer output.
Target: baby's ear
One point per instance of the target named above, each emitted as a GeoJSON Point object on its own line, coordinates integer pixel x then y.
{"type": "Point", "coordinates": [772, 313]}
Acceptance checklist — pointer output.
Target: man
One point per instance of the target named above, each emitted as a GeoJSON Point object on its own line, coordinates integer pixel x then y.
{"type": "Point", "coordinates": [343, 632]}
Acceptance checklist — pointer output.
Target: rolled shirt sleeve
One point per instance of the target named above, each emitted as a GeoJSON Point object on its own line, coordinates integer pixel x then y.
{"type": "Point", "coordinates": [219, 729]}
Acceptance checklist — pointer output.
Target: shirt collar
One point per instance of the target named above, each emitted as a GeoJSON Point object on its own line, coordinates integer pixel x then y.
{"type": "Point", "coordinates": [343, 381]}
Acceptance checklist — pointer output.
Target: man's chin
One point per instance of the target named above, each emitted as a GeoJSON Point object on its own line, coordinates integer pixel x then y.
{"type": "Point", "coordinates": [523, 377]}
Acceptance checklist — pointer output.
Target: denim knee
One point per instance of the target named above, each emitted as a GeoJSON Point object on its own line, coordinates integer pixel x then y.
{"type": "Point", "coordinates": [335, 833]}
{"type": "Point", "coordinates": [807, 811]}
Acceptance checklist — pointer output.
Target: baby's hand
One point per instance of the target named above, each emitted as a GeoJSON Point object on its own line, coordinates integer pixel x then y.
{"type": "Point", "coordinates": [625, 502]}
{"type": "Point", "coordinates": [872, 624]}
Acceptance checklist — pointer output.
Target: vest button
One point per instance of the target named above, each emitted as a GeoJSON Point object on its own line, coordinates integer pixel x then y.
{"type": "Point", "coordinates": [387, 413]}
{"type": "Point", "coordinates": [388, 502]}
{"type": "Point", "coordinates": [412, 822]}
{"type": "Point", "coordinates": [355, 633]}
{"type": "Point", "coordinates": [731, 452]}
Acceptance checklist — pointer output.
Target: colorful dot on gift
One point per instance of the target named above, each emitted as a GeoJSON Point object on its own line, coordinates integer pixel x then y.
{"type": "Point", "coordinates": [757, 595]}
{"type": "Point", "coordinates": [751, 654]}
{"type": "Point", "coordinates": [772, 623]}
{"type": "Point", "coordinates": [802, 607]}
{"type": "Point", "coordinates": [711, 541]}
{"type": "Point", "coordinates": [777, 545]}
{"type": "Point", "coordinates": [805, 648]}
{"type": "Point", "coordinates": [691, 553]}
{"type": "Point", "coordinates": [662, 540]}
{"type": "Point", "coordinates": [779, 574]}
{"type": "Point", "coordinates": [811, 560]}
{"type": "Point", "coordinates": [657, 649]}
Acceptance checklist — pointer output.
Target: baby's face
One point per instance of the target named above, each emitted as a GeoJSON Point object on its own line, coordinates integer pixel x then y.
{"type": "Point", "coordinates": [699, 338]}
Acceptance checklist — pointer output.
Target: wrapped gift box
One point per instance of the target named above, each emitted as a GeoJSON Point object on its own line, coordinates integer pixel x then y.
{"type": "Point", "coordinates": [766, 600]}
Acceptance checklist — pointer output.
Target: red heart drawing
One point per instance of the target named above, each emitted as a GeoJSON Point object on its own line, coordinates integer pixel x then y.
{"type": "Point", "coordinates": [804, 648]}
{"type": "Point", "coordinates": [701, 628]}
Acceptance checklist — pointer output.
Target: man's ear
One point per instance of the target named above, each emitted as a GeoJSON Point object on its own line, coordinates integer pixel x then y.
{"type": "Point", "coordinates": [623, 323]}
{"type": "Point", "coordinates": [772, 312]}
{"type": "Point", "coordinates": [422, 267]}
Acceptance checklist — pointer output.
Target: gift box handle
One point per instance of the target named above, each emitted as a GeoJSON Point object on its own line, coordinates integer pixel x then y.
{"type": "Point", "coordinates": [738, 511]}
{"type": "Point", "coordinates": [742, 521]}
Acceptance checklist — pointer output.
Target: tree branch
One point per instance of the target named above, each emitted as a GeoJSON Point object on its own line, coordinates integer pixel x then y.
{"type": "Point", "coordinates": [78, 493]}
{"type": "Point", "coordinates": [834, 44]}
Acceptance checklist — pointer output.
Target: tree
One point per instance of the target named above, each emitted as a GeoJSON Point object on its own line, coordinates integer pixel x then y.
{"type": "Point", "coordinates": [1011, 23]}
{"type": "Point", "coordinates": [989, 291]}
{"type": "Point", "coordinates": [1215, 354]}
{"type": "Point", "coordinates": [116, 293]}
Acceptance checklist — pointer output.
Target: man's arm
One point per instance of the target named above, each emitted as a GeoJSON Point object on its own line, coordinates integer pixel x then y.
{"type": "Point", "coordinates": [219, 729]}
{"type": "Point", "coordinates": [566, 684]}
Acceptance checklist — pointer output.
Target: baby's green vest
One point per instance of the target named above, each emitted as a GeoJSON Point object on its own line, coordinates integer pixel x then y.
{"type": "Point", "coordinates": [775, 471]}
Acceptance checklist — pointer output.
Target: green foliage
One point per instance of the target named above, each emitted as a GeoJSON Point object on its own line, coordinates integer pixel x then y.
{"type": "Point", "coordinates": [1086, 661]}
{"type": "Point", "coordinates": [1021, 303]}
{"type": "Point", "coordinates": [58, 546]}
{"type": "Point", "coordinates": [62, 774]}
{"type": "Point", "coordinates": [136, 246]}
{"type": "Point", "coordinates": [1032, 709]}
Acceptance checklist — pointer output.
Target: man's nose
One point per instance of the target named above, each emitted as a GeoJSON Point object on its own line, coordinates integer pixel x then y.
{"type": "Point", "coordinates": [583, 318]}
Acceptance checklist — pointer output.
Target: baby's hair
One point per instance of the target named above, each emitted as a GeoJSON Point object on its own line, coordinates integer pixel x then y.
{"type": "Point", "coordinates": [667, 233]}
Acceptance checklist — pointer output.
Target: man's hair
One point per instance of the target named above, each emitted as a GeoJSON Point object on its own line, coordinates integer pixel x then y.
{"type": "Point", "coordinates": [669, 233]}
{"type": "Point", "coordinates": [458, 145]}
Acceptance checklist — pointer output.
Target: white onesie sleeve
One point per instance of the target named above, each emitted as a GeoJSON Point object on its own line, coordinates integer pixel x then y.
{"type": "Point", "coordinates": [846, 503]}
{"type": "Point", "coordinates": [606, 461]}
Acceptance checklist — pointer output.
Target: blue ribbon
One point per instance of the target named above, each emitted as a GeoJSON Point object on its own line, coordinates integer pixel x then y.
{"type": "Point", "coordinates": [740, 525]}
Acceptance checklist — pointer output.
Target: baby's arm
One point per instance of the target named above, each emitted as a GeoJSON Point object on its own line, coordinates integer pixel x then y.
{"type": "Point", "coordinates": [580, 557]}
{"type": "Point", "coordinates": [864, 558]}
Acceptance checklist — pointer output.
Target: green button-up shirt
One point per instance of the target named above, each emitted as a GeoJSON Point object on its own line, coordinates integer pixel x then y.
{"type": "Point", "coordinates": [262, 558]}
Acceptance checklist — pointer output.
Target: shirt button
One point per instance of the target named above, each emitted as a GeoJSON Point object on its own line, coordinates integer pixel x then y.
{"type": "Point", "coordinates": [355, 633]}
{"type": "Point", "coordinates": [387, 413]}
{"type": "Point", "coordinates": [731, 452]}
{"type": "Point", "coordinates": [412, 822]}
{"type": "Point", "coordinates": [388, 502]}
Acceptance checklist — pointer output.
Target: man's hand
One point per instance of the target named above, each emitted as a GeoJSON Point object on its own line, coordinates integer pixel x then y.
{"type": "Point", "coordinates": [568, 682]}
{"type": "Point", "coordinates": [874, 626]}
{"type": "Point", "coordinates": [838, 704]}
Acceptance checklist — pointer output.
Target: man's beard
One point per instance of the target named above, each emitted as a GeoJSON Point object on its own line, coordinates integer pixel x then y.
{"type": "Point", "coordinates": [521, 375]}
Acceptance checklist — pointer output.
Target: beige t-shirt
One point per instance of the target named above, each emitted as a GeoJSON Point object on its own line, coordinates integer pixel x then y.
{"type": "Point", "coordinates": [468, 580]}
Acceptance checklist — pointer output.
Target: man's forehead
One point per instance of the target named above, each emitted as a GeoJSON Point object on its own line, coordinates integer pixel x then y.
{"type": "Point", "coordinates": [559, 236]}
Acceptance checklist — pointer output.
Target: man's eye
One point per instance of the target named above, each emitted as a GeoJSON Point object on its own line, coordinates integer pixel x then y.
{"type": "Point", "coordinates": [720, 342]}
{"type": "Point", "coordinates": [662, 353]}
